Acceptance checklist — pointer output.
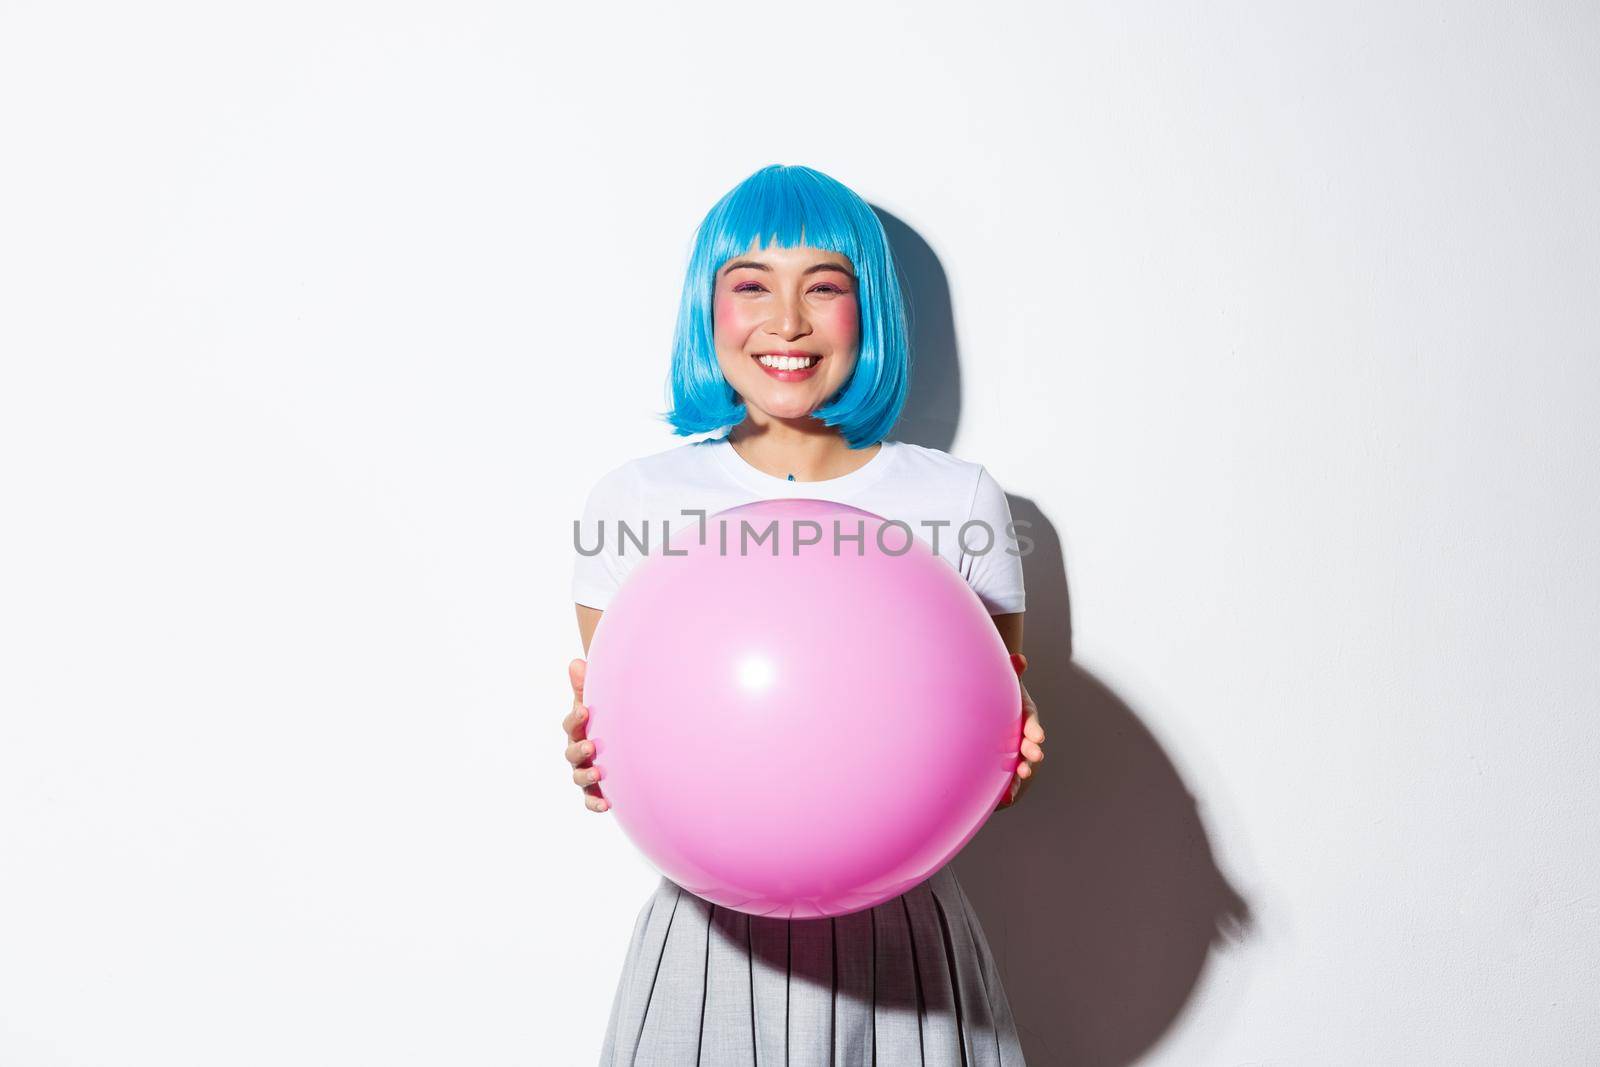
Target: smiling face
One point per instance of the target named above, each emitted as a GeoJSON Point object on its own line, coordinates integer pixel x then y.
{"type": "Point", "coordinates": [787, 327]}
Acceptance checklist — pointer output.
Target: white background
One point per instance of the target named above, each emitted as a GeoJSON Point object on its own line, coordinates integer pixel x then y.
{"type": "Point", "coordinates": [319, 320]}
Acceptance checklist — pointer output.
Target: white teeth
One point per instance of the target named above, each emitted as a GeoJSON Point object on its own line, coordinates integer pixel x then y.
{"type": "Point", "coordinates": [787, 362]}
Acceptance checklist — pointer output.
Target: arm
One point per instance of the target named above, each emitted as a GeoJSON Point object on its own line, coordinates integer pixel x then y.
{"type": "Point", "coordinates": [1010, 627]}
{"type": "Point", "coordinates": [589, 618]}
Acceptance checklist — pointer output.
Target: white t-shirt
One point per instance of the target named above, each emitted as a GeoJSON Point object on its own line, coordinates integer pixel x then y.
{"type": "Point", "coordinates": [954, 506]}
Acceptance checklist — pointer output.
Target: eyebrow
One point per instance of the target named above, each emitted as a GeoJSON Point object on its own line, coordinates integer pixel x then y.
{"type": "Point", "coordinates": [814, 268]}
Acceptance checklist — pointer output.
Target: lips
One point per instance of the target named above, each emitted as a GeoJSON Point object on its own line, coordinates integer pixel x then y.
{"type": "Point", "coordinates": [797, 374]}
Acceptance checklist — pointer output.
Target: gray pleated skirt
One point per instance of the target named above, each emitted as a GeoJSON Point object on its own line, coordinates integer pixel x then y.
{"type": "Point", "coordinates": [910, 981]}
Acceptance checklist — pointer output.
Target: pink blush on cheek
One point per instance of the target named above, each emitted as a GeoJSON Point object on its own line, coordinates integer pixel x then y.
{"type": "Point", "coordinates": [725, 312]}
{"type": "Point", "coordinates": [842, 320]}
{"type": "Point", "coordinates": [725, 317]}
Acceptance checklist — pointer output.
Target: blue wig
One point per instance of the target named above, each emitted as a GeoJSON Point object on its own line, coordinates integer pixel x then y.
{"type": "Point", "coordinates": [791, 206]}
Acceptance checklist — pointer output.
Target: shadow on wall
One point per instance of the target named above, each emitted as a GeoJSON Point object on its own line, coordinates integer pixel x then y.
{"type": "Point", "coordinates": [1098, 892]}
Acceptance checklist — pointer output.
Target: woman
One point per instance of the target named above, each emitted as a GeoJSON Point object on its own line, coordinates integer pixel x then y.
{"type": "Point", "coordinates": [791, 344]}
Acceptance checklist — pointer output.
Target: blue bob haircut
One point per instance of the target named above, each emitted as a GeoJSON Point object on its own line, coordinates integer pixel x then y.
{"type": "Point", "coordinates": [789, 206]}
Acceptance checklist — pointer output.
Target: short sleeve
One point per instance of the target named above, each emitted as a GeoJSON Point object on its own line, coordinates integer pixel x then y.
{"type": "Point", "coordinates": [597, 569]}
{"type": "Point", "coordinates": [994, 574]}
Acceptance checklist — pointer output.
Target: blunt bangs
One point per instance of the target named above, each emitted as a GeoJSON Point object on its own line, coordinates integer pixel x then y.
{"type": "Point", "coordinates": [789, 206]}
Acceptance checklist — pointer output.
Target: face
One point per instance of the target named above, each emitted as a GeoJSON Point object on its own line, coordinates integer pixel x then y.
{"type": "Point", "coordinates": [786, 302]}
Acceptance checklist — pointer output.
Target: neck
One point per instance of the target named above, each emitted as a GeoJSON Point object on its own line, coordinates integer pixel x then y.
{"type": "Point", "coordinates": [805, 448]}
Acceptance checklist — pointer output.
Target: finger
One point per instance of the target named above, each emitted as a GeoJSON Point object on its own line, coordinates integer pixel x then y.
{"type": "Point", "coordinates": [1032, 752]}
{"type": "Point", "coordinates": [1033, 731]}
{"type": "Point", "coordinates": [585, 776]}
{"type": "Point", "coordinates": [594, 799]}
{"type": "Point", "coordinates": [580, 752]}
{"type": "Point", "coordinates": [1025, 771]}
{"type": "Point", "coordinates": [576, 723]}
{"type": "Point", "coordinates": [576, 674]}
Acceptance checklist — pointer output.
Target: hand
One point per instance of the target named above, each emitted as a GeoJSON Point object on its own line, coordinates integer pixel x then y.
{"type": "Point", "coordinates": [580, 750]}
{"type": "Point", "coordinates": [1032, 739]}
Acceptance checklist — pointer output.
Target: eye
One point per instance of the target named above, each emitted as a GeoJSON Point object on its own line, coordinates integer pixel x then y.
{"type": "Point", "coordinates": [755, 287]}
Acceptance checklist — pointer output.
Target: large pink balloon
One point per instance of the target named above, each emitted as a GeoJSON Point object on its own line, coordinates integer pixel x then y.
{"type": "Point", "coordinates": [793, 732]}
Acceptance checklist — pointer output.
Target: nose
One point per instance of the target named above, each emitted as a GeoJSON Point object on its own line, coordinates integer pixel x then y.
{"type": "Point", "coordinates": [790, 322]}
